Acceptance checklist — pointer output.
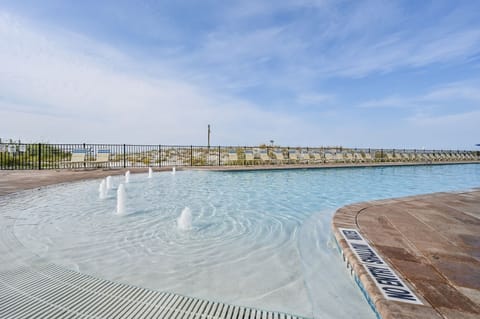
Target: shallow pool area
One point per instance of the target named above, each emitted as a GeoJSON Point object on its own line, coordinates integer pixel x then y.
{"type": "Point", "coordinates": [258, 238]}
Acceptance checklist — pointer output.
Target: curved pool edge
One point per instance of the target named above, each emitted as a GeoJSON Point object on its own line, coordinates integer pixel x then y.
{"type": "Point", "coordinates": [29, 284]}
{"type": "Point", "coordinates": [406, 253]}
{"type": "Point", "coordinates": [32, 286]}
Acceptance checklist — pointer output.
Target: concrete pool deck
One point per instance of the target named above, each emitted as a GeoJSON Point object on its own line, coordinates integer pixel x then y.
{"type": "Point", "coordinates": [431, 242]}
{"type": "Point", "coordinates": [12, 181]}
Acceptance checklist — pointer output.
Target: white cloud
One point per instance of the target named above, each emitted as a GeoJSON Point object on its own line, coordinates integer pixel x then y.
{"type": "Point", "coordinates": [290, 45]}
{"type": "Point", "coordinates": [65, 87]}
{"type": "Point", "coordinates": [314, 98]}
{"type": "Point", "coordinates": [388, 102]}
{"type": "Point", "coordinates": [460, 129]}
{"type": "Point", "coordinates": [442, 95]}
{"type": "Point", "coordinates": [64, 90]}
{"type": "Point", "coordinates": [369, 37]}
{"type": "Point", "coordinates": [444, 117]}
{"type": "Point", "coordinates": [457, 121]}
{"type": "Point", "coordinates": [454, 91]}
{"type": "Point", "coordinates": [364, 56]}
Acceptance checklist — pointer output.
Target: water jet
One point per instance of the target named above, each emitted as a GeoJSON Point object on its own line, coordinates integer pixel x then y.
{"type": "Point", "coordinates": [109, 182]}
{"type": "Point", "coordinates": [102, 189]}
{"type": "Point", "coordinates": [184, 222]}
{"type": "Point", "coordinates": [121, 200]}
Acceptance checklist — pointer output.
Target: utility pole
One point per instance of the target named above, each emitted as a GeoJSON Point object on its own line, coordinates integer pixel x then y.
{"type": "Point", "coordinates": [208, 135]}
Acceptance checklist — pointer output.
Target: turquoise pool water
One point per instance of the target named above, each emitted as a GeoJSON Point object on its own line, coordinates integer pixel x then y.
{"type": "Point", "coordinates": [259, 239]}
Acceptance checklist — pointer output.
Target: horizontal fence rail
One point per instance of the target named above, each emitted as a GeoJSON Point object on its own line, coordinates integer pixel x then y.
{"type": "Point", "coordinates": [21, 156]}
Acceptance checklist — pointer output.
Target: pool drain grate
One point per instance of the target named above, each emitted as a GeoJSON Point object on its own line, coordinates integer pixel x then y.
{"type": "Point", "coordinates": [51, 291]}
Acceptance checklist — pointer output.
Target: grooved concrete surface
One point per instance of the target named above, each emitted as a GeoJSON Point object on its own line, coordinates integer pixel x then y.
{"type": "Point", "coordinates": [431, 241]}
{"type": "Point", "coordinates": [51, 292]}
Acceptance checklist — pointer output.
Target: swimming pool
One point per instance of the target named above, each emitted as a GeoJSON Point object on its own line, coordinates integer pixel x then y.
{"type": "Point", "coordinates": [258, 238]}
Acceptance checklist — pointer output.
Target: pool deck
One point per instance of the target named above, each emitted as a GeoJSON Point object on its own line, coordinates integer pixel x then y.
{"type": "Point", "coordinates": [432, 242]}
{"type": "Point", "coordinates": [428, 246]}
{"type": "Point", "coordinates": [12, 181]}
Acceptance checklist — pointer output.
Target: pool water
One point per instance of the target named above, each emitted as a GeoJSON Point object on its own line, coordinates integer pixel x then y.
{"type": "Point", "coordinates": [259, 238]}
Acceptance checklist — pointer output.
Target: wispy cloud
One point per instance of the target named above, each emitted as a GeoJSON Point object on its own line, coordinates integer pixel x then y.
{"type": "Point", "coordinates": [314, 98]}
{"type": "Point", "coordinates": [389, 102]}
{"type": "Point", "coordinates": [91, 88]}
{"type": "Point", "coordinates": [458, 121]}
{"type": "Point", "coordinates": [288, 48]}
{"type": "Point", "coordinates": [445, 115]}
{"type": "Point", "coordinates": [366, 56]}
{"type": "Point", "coordinates": [445, 94]}
{"type": "Point", "coordinates": [455, 91]}
{"type": "Point", "coordinates": [459, 129]}
{"type": "Point", "coordinates": [333, 69]}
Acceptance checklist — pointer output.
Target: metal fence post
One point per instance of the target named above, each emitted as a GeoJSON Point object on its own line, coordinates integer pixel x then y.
{"type": "Point", "coordinates": [159, 155]}
{"type": "Point", "coordinates": [124, 156]}
{"type": "Point", "coordinates": [191, 155]}
{"type": "Point", "coordinates": [39, 156]}
{"type": "Point", "coordinates": [86, 155]}
{"type": "Point", "coordinates": [219, 158]}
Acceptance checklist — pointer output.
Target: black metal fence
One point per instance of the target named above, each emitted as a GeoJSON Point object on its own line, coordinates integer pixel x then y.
{"type": "Point", "coordinates": [58, 156]}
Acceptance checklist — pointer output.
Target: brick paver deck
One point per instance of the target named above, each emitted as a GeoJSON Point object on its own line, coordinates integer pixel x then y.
{"type": "Point", "coordinates": [432, 242]}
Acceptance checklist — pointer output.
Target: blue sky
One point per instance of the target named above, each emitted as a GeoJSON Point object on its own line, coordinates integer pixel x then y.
{"type": "Point", "coordinates": [402, 74]}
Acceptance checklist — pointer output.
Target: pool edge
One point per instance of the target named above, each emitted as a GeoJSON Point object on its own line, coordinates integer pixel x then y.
{"type": "Point", "coordinates": [347, 217]}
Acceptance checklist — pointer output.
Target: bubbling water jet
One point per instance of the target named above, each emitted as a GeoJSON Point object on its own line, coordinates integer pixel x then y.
{"type": "Point", "coordinates": [121, 200]}
{"type": "Point", "coordinates": [109, 182]}
{"type": "Point", "coordinates": [184, 222]}
{"type": "Point", "coordinates": [127, 177]}
{"type": "Point", "coordinates": [150, 172]}
{"type": "Point", "coordinates": [173, 170]}
{"type": "Point", "coordinates": [102, 189]}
